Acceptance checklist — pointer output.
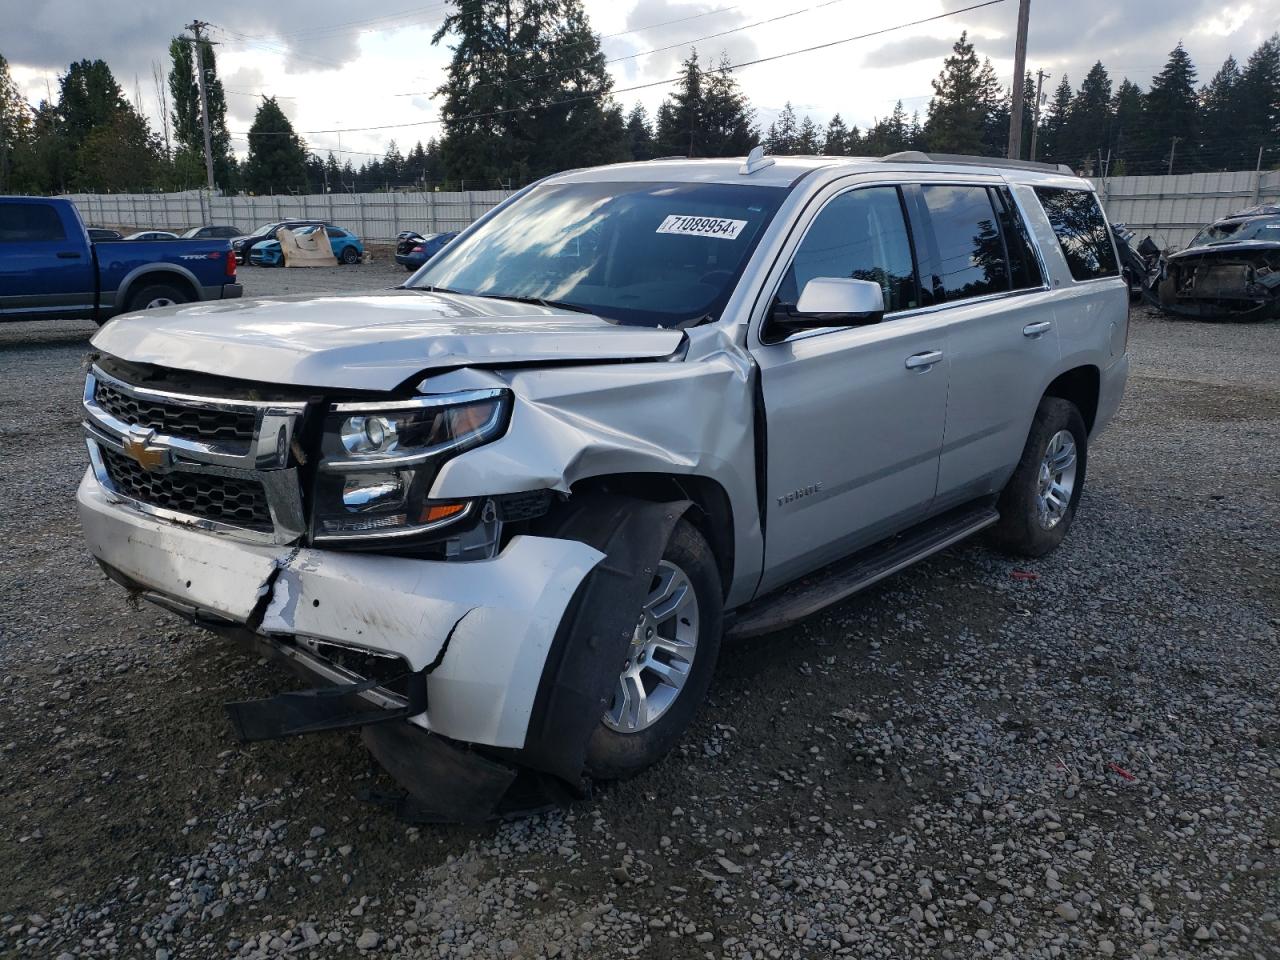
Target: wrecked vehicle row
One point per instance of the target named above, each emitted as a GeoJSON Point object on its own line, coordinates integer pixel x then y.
{"type": "Point", "coordinates": [504, 515]}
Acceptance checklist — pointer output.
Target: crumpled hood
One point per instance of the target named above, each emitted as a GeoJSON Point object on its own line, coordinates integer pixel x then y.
{"type": "Point", "coordinates": [370, 341]}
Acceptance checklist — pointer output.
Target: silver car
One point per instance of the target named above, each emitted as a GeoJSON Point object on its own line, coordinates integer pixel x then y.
{"type": "Point", "coordinates": [505, 515]}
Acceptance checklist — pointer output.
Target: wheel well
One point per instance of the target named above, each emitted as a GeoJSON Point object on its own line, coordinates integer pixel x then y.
{"type": "Point", "coordinates": [712, 514]}
{"type": "Point", "coordinates": [171, 277]}
{"type": "Point", "coordinates": [1079, 385]}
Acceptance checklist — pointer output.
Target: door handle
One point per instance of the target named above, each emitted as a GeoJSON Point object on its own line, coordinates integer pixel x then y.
{"type": "Point", "coordinates": [923, 361]}
{"type": "Point", "coordinates": [68, 255]}
{"type": "Point", "coordinates": [1034, 330]}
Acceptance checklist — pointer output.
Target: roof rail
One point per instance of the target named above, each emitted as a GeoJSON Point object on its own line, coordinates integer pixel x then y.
{"type": "Point", "coordinates": [915, 156]}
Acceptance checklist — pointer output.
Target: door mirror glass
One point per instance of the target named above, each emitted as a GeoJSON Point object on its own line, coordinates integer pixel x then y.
{"type": "Point", "coordinates": [841, 297]}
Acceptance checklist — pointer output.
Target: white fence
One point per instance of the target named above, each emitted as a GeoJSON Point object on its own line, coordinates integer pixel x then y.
{"type": "Point", "coordinates": [371, 216]}
{"type": "Point", "coordinates": [1172, 209]}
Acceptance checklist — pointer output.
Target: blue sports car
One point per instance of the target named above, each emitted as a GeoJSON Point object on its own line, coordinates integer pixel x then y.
{"type": "Point", "coordinates": [346, 247]}
{"type": "Point", "coordinates": [414, 249]}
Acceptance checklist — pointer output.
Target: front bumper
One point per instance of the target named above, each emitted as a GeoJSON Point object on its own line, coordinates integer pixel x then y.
{"type": "Point", "coordinates": [479, 630]}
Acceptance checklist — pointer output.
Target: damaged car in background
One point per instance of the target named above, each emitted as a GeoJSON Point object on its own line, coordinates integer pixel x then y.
{"type": "Point", "coordinates": [501, 517]}
{"type": "Point", "coordinates": [1229, 271]}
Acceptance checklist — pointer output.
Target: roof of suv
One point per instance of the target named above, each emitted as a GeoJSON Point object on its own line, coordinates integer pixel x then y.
{"type": "Point", "coordinates": [785, 171]}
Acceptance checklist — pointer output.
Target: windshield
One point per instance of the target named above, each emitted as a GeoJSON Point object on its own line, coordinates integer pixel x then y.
{"type": "Point", "coordinates": [1263, 228]}
{"type": "Point", "coordinates": [650, 254]}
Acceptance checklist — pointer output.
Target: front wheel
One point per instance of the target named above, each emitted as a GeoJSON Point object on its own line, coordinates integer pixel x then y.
{"type": "Point", "coordinates": [668, 666]}
{"type": "Point", "coordinates": [1039, 501]}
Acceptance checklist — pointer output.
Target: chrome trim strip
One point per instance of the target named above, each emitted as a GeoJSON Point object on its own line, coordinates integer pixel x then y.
{"type": "Point", "coordinates": [420, 403]}
{"type": "Point", "coordinates": [394, 534]}
{"type": "Point", "coordinates": [188, 400]}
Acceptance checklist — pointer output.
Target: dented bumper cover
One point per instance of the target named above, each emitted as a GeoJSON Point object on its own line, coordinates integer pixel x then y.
{"type": "Point", "coordinates": [481, 630]}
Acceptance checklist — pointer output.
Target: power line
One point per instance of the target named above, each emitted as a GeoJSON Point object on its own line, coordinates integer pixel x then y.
{"type": "Point", "coordinates": [656, 83]}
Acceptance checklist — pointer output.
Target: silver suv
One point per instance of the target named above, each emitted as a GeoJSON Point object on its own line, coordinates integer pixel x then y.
{"type": "Point", "coordinates": [505, 514]}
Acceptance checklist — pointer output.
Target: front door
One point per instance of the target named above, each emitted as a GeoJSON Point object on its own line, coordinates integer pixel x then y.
{"type": "Point", "coordinates": [45, 272]}
{"type": "Point", "coordinates": [854, 415]}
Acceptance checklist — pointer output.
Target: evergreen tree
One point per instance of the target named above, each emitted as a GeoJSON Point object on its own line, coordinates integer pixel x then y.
{"type": "Point", "coordinates": [835, 142]}
{"type": "Point", "coordinates": [1259, 105]}
{"type": "Point", "coordinates": [856, 143]}
{"type": "Point", "coordinates": [640, 134]}
{"type": "Point", "coordinates": [1220, 105]}
{"type": "Point", "coordinates": [184, 96]}
{"type": "Point", "coordinates": [728, 121]}
{"type": "Point", "coordinates": [1028, 114]}
{"type": "Point", "coordinates": [1090, 120]}
{"type": "Point", "coordinates": [966, 95]}
{"type": "Point", "coordinates": [1126, 112]}
{"type": "Point", "coordinates": [277, 157]}
{"type": "Point", "coordinates": [783, 132]}
{"type": "Point", "coordinates": [89, 96]}
{"type": "Point", "coordinates": [679, 117]}
{"type": "Point", "coordinates": [527, 91]}
{"type": "Point", "coordinates": [1055, 145]}
{"type": "Point", "coordinates": [807, 142]}
{"type": "Point", "coordinates": [1170, 115]}
{"type": "Point", "coordinates": [120, 155]}
{"type": "Point", "coordinates": [15, 126]}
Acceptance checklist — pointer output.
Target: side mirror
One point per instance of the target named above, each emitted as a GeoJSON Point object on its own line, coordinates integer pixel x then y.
{"type": "Point", "coordinates": [832, 302]}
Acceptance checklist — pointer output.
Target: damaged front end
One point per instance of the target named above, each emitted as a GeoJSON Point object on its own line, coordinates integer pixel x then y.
{"type": "Point", "coordinates": [1230, 271]}
{"type": "Point", "coordinates": [476, 652]}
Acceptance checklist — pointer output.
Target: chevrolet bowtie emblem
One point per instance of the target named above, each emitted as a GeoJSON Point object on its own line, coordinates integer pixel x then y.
{"type": "Point", "coordinates": [137, 448]}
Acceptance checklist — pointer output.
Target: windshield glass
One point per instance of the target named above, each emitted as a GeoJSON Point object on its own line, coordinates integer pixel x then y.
{"type": "Point", "coordinates": [651, 254]}
{"type": "Point", "coordinates": [1263, 228]}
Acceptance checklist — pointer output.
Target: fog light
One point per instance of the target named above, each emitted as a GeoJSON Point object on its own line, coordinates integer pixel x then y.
{"type": "Point", "coordinates": [368, 434]}
{"type": "Point", "coordinates": [365, 492]}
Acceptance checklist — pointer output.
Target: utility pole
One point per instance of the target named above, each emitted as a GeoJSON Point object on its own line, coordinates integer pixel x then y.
{"type": "Point", "coordinates": [1019, 73]}
{"type": "Point", "coordinates": [198, 44]}
{"type": "Point", "coordinates": [1035, 111]}
{"type": "Point", "coordinates": [1173, 145]}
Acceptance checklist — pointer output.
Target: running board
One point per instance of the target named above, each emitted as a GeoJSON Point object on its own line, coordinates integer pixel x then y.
{"type": "Point", "coordinates": [836, 581]}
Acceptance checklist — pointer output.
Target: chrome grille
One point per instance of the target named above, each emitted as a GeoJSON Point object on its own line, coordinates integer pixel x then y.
{"type": "Point", "coordinates": [222, 499]}
{"type": "Point", "coordinates": [222, 463]}
{"type": "Point", "coordinates": [232, 429]}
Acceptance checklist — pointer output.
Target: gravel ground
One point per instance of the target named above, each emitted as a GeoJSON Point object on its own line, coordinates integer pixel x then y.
{"type": "Point", "coordinates": [1072, 757]}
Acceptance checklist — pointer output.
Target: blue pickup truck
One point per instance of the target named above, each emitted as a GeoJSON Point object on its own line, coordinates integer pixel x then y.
{"type": "Point", "coordinates": [50, 269]}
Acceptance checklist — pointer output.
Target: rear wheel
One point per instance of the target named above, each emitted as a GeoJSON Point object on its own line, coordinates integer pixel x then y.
{"type": "Point", "coordinates": [350, 255]}
{"type": "Point", "coordinates": [668, 666]}
{"type": "Point", "coordinates": [1039, 501]}
{"type": "Point", "coordinates": [156, 295]}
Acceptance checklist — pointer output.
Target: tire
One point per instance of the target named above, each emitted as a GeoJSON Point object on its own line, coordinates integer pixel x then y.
{"type": "Point", "coordinates": [614, 752]}
{"type": "Point", "coordinates": [409, 267]}
{"type": "Point", "coordinates": [1039, 502]}
{"type": "Point", "coordinates": [155, 295]}
{"type": "Point", "coordinates": [350, 255]}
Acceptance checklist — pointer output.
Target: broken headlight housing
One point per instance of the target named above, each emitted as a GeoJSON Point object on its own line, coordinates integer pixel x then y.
{"type": "Point", "coordinates": [380, 460]}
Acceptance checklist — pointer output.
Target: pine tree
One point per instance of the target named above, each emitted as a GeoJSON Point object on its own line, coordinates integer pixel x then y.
{"type": "Point", "coordinates": [1126, 112]}
{"type": "Point", "coordinates": [120, 155]}
{"type": "Point", "coordinates": [1259, 104]}
{"type": "Point", "coordinates": [680, 116]}
{"type": "Point", "coordinates": [1028, 114]}
{"type": "Point", "coordinates": [640, 134]}
{"type": "Point", "coordinates": [835, 142]}
{"type": "Point", "coordinates": [1220, 110]}
{"type": "Point", "coordinates": [15, 126]}
{"type": "Point", "coordinates": [966, 95]}
{"type": "Point", "coordinates": [527, 91]}
{"type": "Point", "coordinates": [89, 96]}
{"type": "Point", "coordinates": [1171, 116]}
{"type": "Point", "coordinates": [781, 140]}
{"type": "Point", "coordinates": [1090, 120]}
{"type": "Point", "coordinates": [728, 120]}
{"type": "Point", "coordinates": [807, 142]}
{"type": "Point", "coordinates": [277, 157]}
{"type": "Point", "coordinates": [1055, 145]}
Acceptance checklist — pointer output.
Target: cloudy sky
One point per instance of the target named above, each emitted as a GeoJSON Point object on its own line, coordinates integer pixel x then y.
{"type": "Point", "coordinates": [336, 66]}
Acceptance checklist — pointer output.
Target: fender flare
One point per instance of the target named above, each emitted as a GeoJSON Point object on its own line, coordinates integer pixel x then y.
{"type": "Point", "coordinates": [142, 272]}
{"type": "Point", "coordinates": [591, 641]}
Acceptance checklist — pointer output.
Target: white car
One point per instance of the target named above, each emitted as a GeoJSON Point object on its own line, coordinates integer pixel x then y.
{"type": "Point", "coordinates": [507, 513]}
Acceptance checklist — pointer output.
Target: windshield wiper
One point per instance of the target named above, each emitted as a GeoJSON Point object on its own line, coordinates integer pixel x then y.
{"type": "Point", "coordinates": [539, 301]}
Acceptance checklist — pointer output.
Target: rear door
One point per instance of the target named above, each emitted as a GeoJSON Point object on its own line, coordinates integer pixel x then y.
{"type": "Point", "coordinates": [1001, 342]}
{"type": "Point", "coordinates": [46, 268]}
{"type": "Point", "coordinates": [855, 414]}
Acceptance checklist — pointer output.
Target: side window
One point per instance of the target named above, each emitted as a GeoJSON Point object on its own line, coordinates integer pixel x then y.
{"type": "Point", "coordinates": [971, 255]}
{"type": "Point", "coordinates": [335, 232]}
{"type": "Point", "coordinates": [1082, 232]}
{"type": "Point", "coordinates": [1023, 265]}
{"type": "Point", "coordinates": [29, 222]}
{"type": "Point", "coordinates": [861, 235]}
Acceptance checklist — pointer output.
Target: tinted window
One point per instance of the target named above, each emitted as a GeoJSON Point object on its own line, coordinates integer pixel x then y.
{"type": "Point", "coordinates": [1024, 268]}
{"type": "Point", "coordinates": [971, 259]}
{"type": "Point", "coordinates": [861, 235]}
{"type": "Point", "coordinates": [28, 222]}
{"type": "Point", "coordinates": [1082, 232]}
{"type": "Point", "coordinates": [334, 232]}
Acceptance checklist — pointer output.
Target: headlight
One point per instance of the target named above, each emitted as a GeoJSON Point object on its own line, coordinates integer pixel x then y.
{"type": "Point", "coordinates": [379, 461]}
